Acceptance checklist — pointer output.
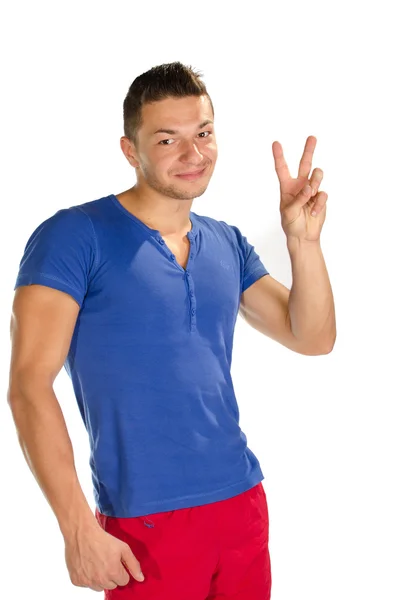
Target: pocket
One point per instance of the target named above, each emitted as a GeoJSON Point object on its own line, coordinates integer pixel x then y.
{"type": "Point", "coordinates": [258, 505]}
{"type": "Point", "coordinates": [264, 507]}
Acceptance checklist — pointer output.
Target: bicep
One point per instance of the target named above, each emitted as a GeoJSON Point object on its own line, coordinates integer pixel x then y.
{"type": "Point", "coordinates": [42, 324]}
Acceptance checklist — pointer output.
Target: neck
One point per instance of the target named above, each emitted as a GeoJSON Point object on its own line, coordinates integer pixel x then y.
{"type": "Point", "coordinates": [169, 216]}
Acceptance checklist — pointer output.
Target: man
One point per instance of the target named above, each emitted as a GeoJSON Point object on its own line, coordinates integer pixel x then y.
{"type": "Point", "coordinates": [137, 296]}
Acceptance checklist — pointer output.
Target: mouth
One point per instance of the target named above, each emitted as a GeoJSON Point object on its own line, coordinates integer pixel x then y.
{"type": "Point", "coordinates": [192, 176]}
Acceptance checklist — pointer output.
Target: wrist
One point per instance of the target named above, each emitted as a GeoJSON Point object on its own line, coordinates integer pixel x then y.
{"type": "Point", "coordinates": [79, 528]}
{"type": "Point", "coordinates": [78, 518]}
{"type": "Point", "coordinates": [294, 243]}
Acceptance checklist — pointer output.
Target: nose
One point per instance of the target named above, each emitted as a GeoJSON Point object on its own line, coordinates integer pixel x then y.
{"type": "Point", "coordinates": [191, 153]}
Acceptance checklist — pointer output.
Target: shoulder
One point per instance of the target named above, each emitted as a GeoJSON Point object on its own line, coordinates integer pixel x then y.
{"type": "Point", "coordinates": [73, 222]}
{"type": "Point", "coordinates": [64, 219]}
{"type": "Point", "coordinates": [226, 231]}
{"type": "Point", "coordinates": [221, 227]}
{"type": "Point", "coordinates": [68, 231]}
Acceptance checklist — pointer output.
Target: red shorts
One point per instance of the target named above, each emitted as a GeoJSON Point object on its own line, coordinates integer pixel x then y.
{"type": "Point", "coordinates": [210, 552]}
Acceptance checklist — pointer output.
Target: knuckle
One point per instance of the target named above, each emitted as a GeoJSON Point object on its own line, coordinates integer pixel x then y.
{"type": "Point", "coordinates": [111, 586]}
{"type": "Point", "coordinates": [79, 582]}
{"type": "Point", "coordinates": [120, 576]}
{"type": "Point", "coordinates": [96, 583]}
{"type": "Point", "coordinates": [107, 584]}
{"type": "Point", "coordinates": [114, 576]}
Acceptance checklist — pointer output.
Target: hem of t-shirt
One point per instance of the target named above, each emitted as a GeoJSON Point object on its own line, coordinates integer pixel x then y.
{"type": "Point", "coordinates": [254, 276]}
{"type": "Point", "coordinates": [48, 281]}
{"type": "Point", "coordinates": [246, 484]}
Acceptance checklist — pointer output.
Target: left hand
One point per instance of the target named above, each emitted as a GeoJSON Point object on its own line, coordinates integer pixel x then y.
{"type": "Point", "coordinates": [296, 206]}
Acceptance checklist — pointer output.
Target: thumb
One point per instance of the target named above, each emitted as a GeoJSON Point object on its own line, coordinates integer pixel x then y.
{"type": "Point", "coordinates": [131, 563]}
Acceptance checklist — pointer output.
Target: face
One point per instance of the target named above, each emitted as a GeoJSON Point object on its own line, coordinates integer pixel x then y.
{"type": "Point", "coordinates": [162, 156]}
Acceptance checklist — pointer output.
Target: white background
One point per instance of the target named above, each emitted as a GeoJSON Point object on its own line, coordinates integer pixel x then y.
{"type": "Point", "coordinates": [323, 427]}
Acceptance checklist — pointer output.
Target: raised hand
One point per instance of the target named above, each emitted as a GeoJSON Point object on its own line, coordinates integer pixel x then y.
{"type": "Point", "coordinates": [297, 201]}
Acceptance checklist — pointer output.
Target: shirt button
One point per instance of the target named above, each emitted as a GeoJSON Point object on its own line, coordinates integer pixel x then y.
{"type": "Point", "coordinates": [191, 293]}
{"type": "Point", "coordinates": [160, 240]}
{"type": "Point", "coordinates": [193, 312]}
{"type": "Point", "coordinates": [172, 257]}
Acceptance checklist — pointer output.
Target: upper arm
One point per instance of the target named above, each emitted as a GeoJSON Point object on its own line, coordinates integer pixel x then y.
{"type": "Point", "coordinates": [52, 282]}
{"type": "Point", "coordinates": [264, 305]}
{"type": "Point", "coordinates": [42, 324]}
{"type": "Point", "coordinates": [264, 300]}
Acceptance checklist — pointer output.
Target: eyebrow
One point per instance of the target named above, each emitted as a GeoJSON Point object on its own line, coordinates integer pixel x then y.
{"type": "Point", "coordinates": [173, 131]}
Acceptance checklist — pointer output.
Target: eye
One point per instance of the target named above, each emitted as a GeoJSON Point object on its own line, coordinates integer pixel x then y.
{"type": "Point", "coordinates": [162, 142]}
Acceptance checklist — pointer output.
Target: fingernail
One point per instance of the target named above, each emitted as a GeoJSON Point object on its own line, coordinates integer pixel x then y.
{"type": "Point", "coordinates": [313, 192]}
{"type": "Point", "coordinates": [307, 189]}
{"type": "Point", "coordinates": [140, 576]}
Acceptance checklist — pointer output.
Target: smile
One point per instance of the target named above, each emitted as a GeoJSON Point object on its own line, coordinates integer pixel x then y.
{"type": "Point", "coordinates": [192, 176]}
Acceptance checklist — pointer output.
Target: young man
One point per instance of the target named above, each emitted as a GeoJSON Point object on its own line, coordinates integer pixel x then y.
{"type": "Point", "coordinates": [137, 296]}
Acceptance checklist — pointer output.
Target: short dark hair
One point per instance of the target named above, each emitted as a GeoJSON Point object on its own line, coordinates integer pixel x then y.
{"type": "Point", "coordinates": [170, 80]}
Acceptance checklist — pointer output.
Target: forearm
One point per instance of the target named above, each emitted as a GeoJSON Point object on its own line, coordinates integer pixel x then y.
{"type": "Point", "coordinates": [47, 448]}
{"type": "Point", "coordinates": [311, 303]}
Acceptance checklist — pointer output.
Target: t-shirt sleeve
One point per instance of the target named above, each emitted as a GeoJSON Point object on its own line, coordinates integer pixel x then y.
{"type": "Point", "coordinates": [60, 253]}
{"type": "Point", "coordinates": [253, 267]}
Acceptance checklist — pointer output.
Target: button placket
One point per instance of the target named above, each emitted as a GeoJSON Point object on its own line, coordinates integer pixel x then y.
{"type": "Point", "coordinates": [192, 295]}
{"type": "Point", "coordinates": [190, 285]}
{"type": "Point", "coordinates": [192, 298]}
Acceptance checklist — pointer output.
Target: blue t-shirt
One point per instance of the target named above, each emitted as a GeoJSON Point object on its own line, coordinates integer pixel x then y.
{"type": "Point", "coordinates": [151, 353]}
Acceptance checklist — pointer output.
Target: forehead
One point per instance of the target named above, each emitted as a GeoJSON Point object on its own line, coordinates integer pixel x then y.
{"type": "Point", "coordinates": [176, 113]}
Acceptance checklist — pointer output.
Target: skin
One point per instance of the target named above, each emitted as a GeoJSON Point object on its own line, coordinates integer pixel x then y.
{"type": "Point", "coordinates": [159, 198]}
{"type": "Point", "coordinates": [267, 305]}
{"type": "Point", "coordinates": [302, 205]}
